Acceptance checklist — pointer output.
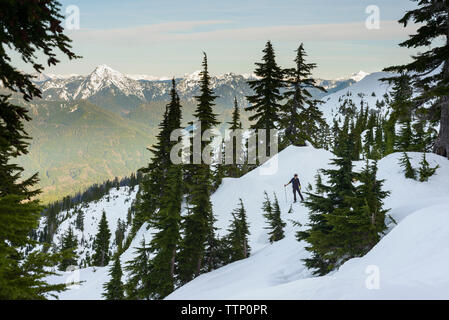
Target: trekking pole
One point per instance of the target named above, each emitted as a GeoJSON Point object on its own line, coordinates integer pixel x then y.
{"type": "Point", "coordinates": [285, 191]}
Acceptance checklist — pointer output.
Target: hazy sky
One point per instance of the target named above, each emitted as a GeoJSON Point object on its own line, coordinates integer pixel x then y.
{"type": "Point", "coordinates": [166, 38]}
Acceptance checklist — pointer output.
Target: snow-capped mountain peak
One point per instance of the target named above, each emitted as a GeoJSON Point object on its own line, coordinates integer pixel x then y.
{"type": "Point", "coordinates": [104, 77]}
{"type": "Point", "coordinates": [146, 77]}
{"type": "Point", "coordinates": [194, 76]}
{"type": "Point", "coordinates": [103, 70]}
{"type": "Point", "coordinates": [357, 76]}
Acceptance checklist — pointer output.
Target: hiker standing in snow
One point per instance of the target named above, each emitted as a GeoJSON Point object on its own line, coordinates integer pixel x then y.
{"type": "Point", "coordinates": [296, 186]}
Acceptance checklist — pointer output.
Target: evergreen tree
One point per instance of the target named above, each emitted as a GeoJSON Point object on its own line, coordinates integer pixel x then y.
{"type": "Point", "coordinates": [267, 207]}
{"type": "Point", "coordinates": [28, 29]}
{"type": "Point", "coordinates": [152, 188]}
{"type": "Point", "coordinates": [346, 221]}
{"type": "Point", "coordinates": [234, 170]}
{"type": "Point", "coordinates": [265, 103]}
{"type": "Point", "coordinates": [220, 170]}
{"type": "Point", "coordinates": [101, 243]}
{"type": "Point", "coordinates": [401, 98]}
{"type": "Point", "coordinates": [356, 227]}
{"type": "Point", "coordinates": [423, 136]}
{"type": "Point", "coordinates": [429, 69]}
{"type": "Point", "coordinates": [236, 123]}
{"type": "Point", "coordinates": [198, 225]}
{"type": "Point", "coordinates": [301, 118]}
{"type": "Point", "coordinates": [212, 259]}
{"type": "Point", "coordinates": [238, 234]}
{"type": "Point", "coordinates": [79, 222]}
{"type": "Point", "coordinates": [379, 143]}
{"type": "Point", "coordinates": [425, 171]}
{"type": "Point", "coordinates": [330, 199]}
{"type": "Point", "coordinates": [368, 142]}
{"type": "Point", "coordinates": [409, 171]}
{"type": "Point", "coordinates": [138, 286]}
{"type": "Point", "coordinates": [273, 216]}
{"type": "Point", "coordinates": [114, 288]}
{"type": "Point", "coordinates": [69, 245]}
{"type": "Point", "coordinates": [120, 233]}
{"type": "Point", "coordinates": [405, 138]}
{"type": "Point", "coordinates": [166, 220]}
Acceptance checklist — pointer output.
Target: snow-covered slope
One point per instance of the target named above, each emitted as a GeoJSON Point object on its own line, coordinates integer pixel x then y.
{"type": "Point", "coordinates": [368, 90]}
{"type": "Point", "coordinates": [115, 204]}
{"type": "Point", "coordinates": [411, 259]}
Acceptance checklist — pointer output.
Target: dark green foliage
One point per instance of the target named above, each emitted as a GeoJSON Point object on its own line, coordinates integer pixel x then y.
{"type": "Point", "coordinates": [234, 170]}
{"type": "Point", "coordinates": [79, 222]}
{"type": "Point", "coordinates": [330, 197]}
{"type": "Point", "coordinates": [238, 234]}
{"type": "Point", "coordinates": [432, 84]}
{"type": "Point", "coordinates": [204, 111]}
{"type": "Point", "coordinates": [114, 288]}
{"type": "Point", "coordinates": [273, 216]}
{"type": "Point", "coordinates": [363, 228]}
{"type": "Point", "coordinates": [138, 286]}
{"type": "Point", "coordinates": [425, 171]}
{"type": "Point", "coordinates": [236, 122]}
{"type": "Point", "coordinates": [120, 233]}
{"type": "Point", "coordinates": [165, 241]}
{"type": "Point", "coordinates": [166, 218]}
{"type": "Point", "coordinates": [265, 103]}
{"type": "Point", "coordinates": [212, 257]}
{"type": "Point", "coordinates": [409, 171]}
{"type": "Point", "coordinates": [198, 230]}
{"type": "Point", "coordinates": [301, 118]}
{"type": "Point", "coordinates": [345, 221]}
{"type": "Point", "coordinates": [220, 169]}
{"type": "Point", "coordinates": [28, 29]}
{"type": "Point", "coordinates": [404, 140]}
{"type": "Point", "coordinates": [69, 245]}
{"type": "Point", "coordinates": [101, 255]}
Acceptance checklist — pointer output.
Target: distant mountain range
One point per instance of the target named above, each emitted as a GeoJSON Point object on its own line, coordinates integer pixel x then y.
{"type": "Point", "coordinates": [87, 129]}
{"type": "Point", "coordinates": [122, 93]}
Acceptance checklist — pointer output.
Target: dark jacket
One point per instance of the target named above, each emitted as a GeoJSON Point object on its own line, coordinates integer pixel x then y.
{"type": "Point", "coordinates": [295, 183]}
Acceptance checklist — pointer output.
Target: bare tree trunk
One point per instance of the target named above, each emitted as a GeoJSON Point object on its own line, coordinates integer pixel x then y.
{"type": "Point", "coordinates": [441, 146]}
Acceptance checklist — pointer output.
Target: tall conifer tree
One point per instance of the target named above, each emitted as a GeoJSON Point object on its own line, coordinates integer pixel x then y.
{"type": "Point", "coordinates": [166, 220]}
{"type": "Point", "coordinates": [238, 234]}
{"type": "Point", "coordinates": [138, 285]}
{"type": "Point", "coordinates": [198, 225]}
{"type": "Point", "coordinates": [69, 246]}
{"type": "Point", "coordinates": [234, 169]}
{"type": "Point", "coordinates": [114, 288]}
{"type": "Point", "coordinates": [265, 103]}
{"type": "Point", "coordinates": [28, 29]}
{"type": "Point", "coordinates": [301, 119]}
{"type": "Point", "coordinates": [429, 69]}
{"type": "Point", "coordinates": [101, 254]}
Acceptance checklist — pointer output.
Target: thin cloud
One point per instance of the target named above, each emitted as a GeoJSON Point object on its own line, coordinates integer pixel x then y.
{"type": "Point", "coordinates": [191, 31]}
